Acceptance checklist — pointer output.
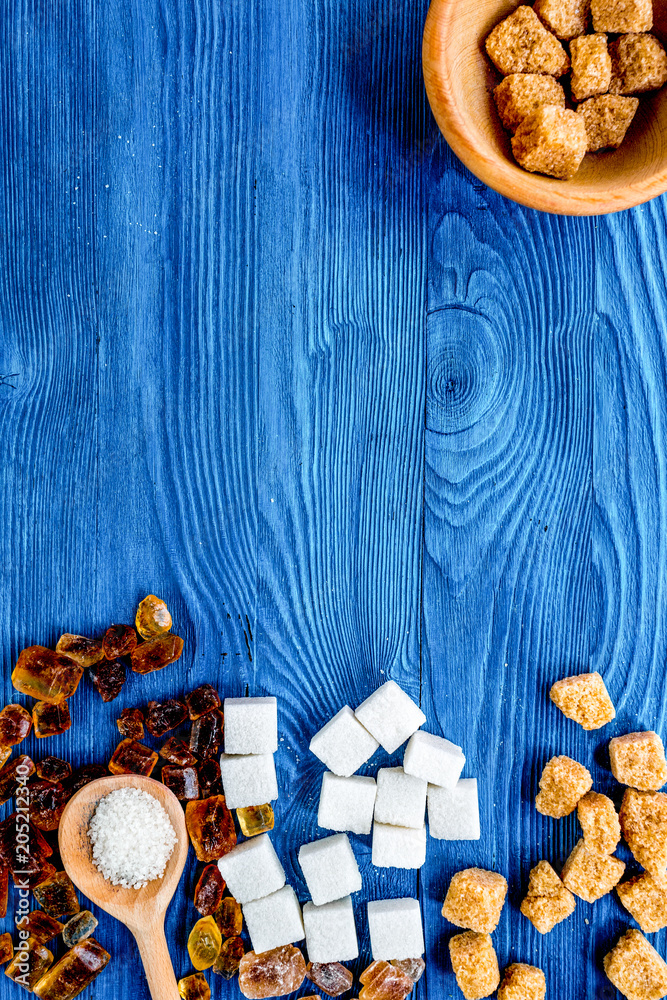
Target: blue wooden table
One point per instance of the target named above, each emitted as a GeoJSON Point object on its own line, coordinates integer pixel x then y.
{"type": "Point", "coordinates": [269, 351]}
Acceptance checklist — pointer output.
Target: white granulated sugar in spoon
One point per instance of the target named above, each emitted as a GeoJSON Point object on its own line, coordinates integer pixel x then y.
{"type": "Point", "coordinates": [132, 838]}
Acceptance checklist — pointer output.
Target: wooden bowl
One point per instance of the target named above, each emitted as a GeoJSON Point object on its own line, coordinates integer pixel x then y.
{"type": "Point", "coordinates": [459, 81]}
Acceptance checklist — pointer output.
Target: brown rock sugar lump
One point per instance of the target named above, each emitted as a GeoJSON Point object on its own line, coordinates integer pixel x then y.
{"type": "Point", "coordinates": [155, 654]}
{"type": "Point", "coordinates": [591, 66]}
{"type": "Point", "coordinates": [108, 678]}
{"type": "Point", "coordinates": [229, 917]}
{"type": "Point", "coordinates": [182, 781]}
{"type": "Point", "coordinates": [271, 973]}
{"type": "Point", "coordinates": [202, 700]}
{"type": "Point", "coordinates": [330, 977]}
{"type": "Point", "coordinates": [77, 968]}
{"type": "Point", "coordinates": [6, 947]}
{"type": "Point", "coordinates": [383, 981]}
{"type": "Point", "coordinates": [178, 752]}
{"type": "Point", "coordinates": [15, 724]}
{"type": "Point", "coordinates": [521, 44]}
{"type": "Point", "coordinates": [565, 18]}
{"type": "Point", "coordinates": [5, 754]}
{"type": "Point", "coordinates": [475, 899]}
{"type": "Point", "coordinates": [152, 617]}
{"type": "Point", "coordinates": [638, 760]}
{"type": "Point", "coordinates": [119, 640]}
{"type": "Point", "coordinates": [53, 769]}
{"type": "Point", "coordinates": [551, 141]}
{"type": "Point", "coordinates": [599, 822]}
{"type": "Point", "coordinates": [12, 775]}
{"type": "Point", "coordinates": [209, 890]}
{"type": "Point", "coordinates": [584, 699]}
{"type": "Point", "coordinates": [26, 861]}
{"type": "Point", "coordinates": [638, 64]}
{"type": "Point", "coordinates": [254, 820]}
{"type": "Point", "coordinates": [204, 943]}
{"type": "Point", "coordinates": [83, 651]}
{"type": "Point", "coordinates": [194, 987]}
{"type": "Point", "coordinates": [564, 781]}
{"type": "Point", "coordinates": [131, 757]}
{"type": "Point", "coordinates": [522, 982]}
{"type": "Point", "coordinates": [228, 960]}
{"type": "Point", "coordinates": [206, 734]}
{"type": "Point", "coordinates": [41, 926]}
{"type": "Point", "coordinates": [130, 723]}
{"type": "Point", "coordinates": [50, 720]}
{"type": "Point", "coordinates": [31, 960]}
{"type": "Point", "coordinates": [589, 875]}
{"type": "Point", "coordinates": [57, 896]}
{"type": "Point", "coordinates": [163, 716]}
{"type": "Point", "coordinates": [46, 675]}
{"type": "Point", "coordinates": [83, 776]}
{"type": "Point", "coordinates": [636, 969]}
{"type": "Point", "coordinates": [643, 818]}
{"type": "Point", "coordinates": [645, 897]}
{"type": "Point", "coordinates": [475, 964]}
{"type": "Point", "coordinates": [547, 901]}
{"type": "Point", "coordinates": [412, 967]}
{"type": "Point", "coordinates": [210, 827]}
{"type": "Point", "coordinates": [4, 889]}
{"type": "Point", "coordinates": [607, 119]}
{"type": "Point", "coordinates": [210, 779]}
{"type": "Point", "coordinates": [520, 94]}
{"type": "Point", "coordinates": [47, 804]}
{"type": "Point", "coordinates": [622, 16]}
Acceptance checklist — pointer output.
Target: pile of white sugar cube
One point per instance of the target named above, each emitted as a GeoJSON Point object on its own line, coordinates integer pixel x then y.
{"type": "Point", "coordinates": [392, 806]}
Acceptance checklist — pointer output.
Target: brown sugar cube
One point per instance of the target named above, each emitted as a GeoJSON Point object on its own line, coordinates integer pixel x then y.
{"type": "Point", "coordinates": [551, 141]}
{"type": "Point", "coordinates": [475, 899]}
{"type": "Point", "coordinates": [564, 781]}
{"type": "Point", "coordinates": [621, 16]}
{"type": "Point", "coordinates": [638, 760]}
{"type": "Point", "coordinates": [607, 119]}
{"type": "Point", "coordinates": [638, 64]}
{"type": "Point", "coordinates": [522, 982]}
{"type": "Point", "coordinates": [584, 699]}
{"type": "Point", "coordinates": [643, 818]}
{"type": "Point", "coordinates": [547, 901]}
{"type": "Point", "coordinates": [645, 897]}
{"type": "Point", "coordinates": [636, 969]}
{"type": "Point", "coordinates": [566, 18]}
{"type": "Point", "coordinates": [521, 93]}
{"type": "Point", "coordinates": [521, 44]}
{"type": "Point", "coordinates": [589, 875]}
{"type": "Point", "coordinates": [475, 964]}
{"type": "Point", "coordinates": [599, 822]}
{"type": "Point", "coordinates": [591, 66]}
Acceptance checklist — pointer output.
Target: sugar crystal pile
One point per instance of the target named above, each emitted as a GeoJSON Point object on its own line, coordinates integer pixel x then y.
{"type": "Point", "coordinates": [132, 838]}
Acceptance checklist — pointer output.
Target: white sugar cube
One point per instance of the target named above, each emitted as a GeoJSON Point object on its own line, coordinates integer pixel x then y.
{"type": "Point", "coordinates": [251, 726]}
{"type": "Point", "coordinates": [401, 798]}
{"type": "Point", "coordinates": [330, 868]}
{"type": "Point", "coordinates": [343, 745]}
{"type": "Point", "coordinates": [390, 715]}
{"type": "Point", "coordinates": [434, 759]}
{"type": "Point", "coordinates": [398, 846]}
{"type": "Point", "coordinates": [248, 780]}
{"type": "Point", "coordinates": [395, 927]}
{"type": "Point", "coordinates": [331, 935]}
{"type": "Point", "coordinates": [252, 869]}
{"type": "Point", "coordinates": [274, 920]}
{"type": "Point", "coordinates": [453, 813]}
{"type": "Point", "coordinates": [346, 803]}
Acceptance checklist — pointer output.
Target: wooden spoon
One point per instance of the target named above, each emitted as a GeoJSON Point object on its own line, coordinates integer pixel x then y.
{"type": "Point", "coordinates": [141, 910]}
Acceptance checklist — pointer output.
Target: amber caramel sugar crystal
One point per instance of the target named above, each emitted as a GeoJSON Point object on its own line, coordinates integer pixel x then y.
{"type": "Point", "coordinates": [330, 977]}
{"type": "Point", "coordinates": [15, 724]}
{"type": "Point", "coordinates": [599, 821]}
{"type": "Point", "coordinates": [4, 889]}
{"type": "Point", "coordinates": [41, 926]}
{"type": "Point", "coordinates": [521, 44]}
{"type": "Point", "coordinates": [211, 827]}
{"type": "Point", "coordinates": [475, 964]}
{"type": "Point", "coordinates": [178, 752]}
{"type": "Point", "coordinates": [607, 119]}
{"type": "Point", "coordinates": [636, 969]}
{"type": "Point", "coordinates": [229, 958]}
{"type": "Point", "coordinates": [108, 678]}
{"type": "Point", "coordinates": [5, 754]}
{"type": "Point", "coordinates": [638, 760]}
{"type": "Point", "coordinates": [589, 875]}
{"type": "Point", "coordinates": [53, 769]}
{"type": "Point", "coordinates": [131, 757]}
{"type": "Point", "coordinates": [157, 653]}
{"type": "Point", "coordinates": [163, 716]}
{"type": "Point", "coordinates": [119, 640]}
{"type": "Point", "coordinates": [522, 982]}
{"type": "Point", "coordinates": [131, 723]}
{"type": "Point", "coordinates": [584, 699]}
{"type": "Point", "coordinates": [475, 899]}
{"type": "Point", "coordinates": [643, 818]}
{"type": "Point", "coordinates": [383, 981]}
{"type": "Point", "coordinates": [26, 861]}
{"type": "Point", "coordinates": [194, 987]}
{"type": "Point", "coordinates": [229, 917]}
{"type": "Point", "coordinates": [564, 781]}
{"type": "Point", "coordinates": [520, 94]}
{"type": "Point", "coordinates": [57, 896]}
{"type": "Point", "coordinates": [547, 901]}
{"type": "Point", "coordinates": [209, 890]}
{"type": "Point", "coordinates": [202, 700]}
{"type": "Point", "coordinates": [622, 16]}
{"type": "Point", "coordinates": [206, 734]}
{"type": "Point", "coordinates": [591, 66]}
{"type": "Point", "coordinates": [46, 675]}
{"type": "Point", "coordinates": [210, 780]}
{"type": "Point", "coordinates": [254, 820]}
{"type": "Point", "coordinates": [6, 947]}
{"type": "Point", "coordinates": [82, 650]}
{"type": "Point", "coordinates": [78, 928]}
{"type": "Point", "coordinates": [77, 968]}
{"type": "Point", "coordinates": [83, 776]}
{"type": "Point", "coordinates": [152, 618]}
{"type": "Point", "coordinates": [12, 775]}
{"type": "Point", "coordinates": [645, 897]}
{"type": "Point", "coordinates": [271, 973]}
{"type": "Point", "coordinates": [182, 781]}
{"type": "Point", "coordinates": [638, 64]}
{"type": "Point", "coordinates": [50, 720]}
{"type": "Point", "coordinates": [551, 141]}
{"type": "Point", "coordinates": [30, 962]}
{"type": "Point", "coordinates": [412, 967]}
{"type": "Point", "coordinates": [565, 18]}
{"type": "Point", "coordinates": [204, 943]}
{"type": "Point", "coordinates": [47, 804]}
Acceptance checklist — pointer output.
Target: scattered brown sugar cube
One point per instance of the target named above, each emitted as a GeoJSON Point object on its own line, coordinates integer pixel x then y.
{"type": "Point", "coordinates": [522, 93]}
{"type": "Point", "coordinates": [589, 875]}
{"type": "Point", "coordinates": [591, 66]}
{"type": "Point", "coordinates": [622, 16]}
{"type": "Point", "coordinates": [475, 964]}
{"type": "Point", "coordinates": [475, 899]}
{"type": "Point", "coordinates": [638, 760]}
{"type": "Point", "coordinates": [638, 64]}
{"type": "Point", "coordinates": [564, 781]}
{"type": "Point", "coordinates": [547, 901]}
{"type": "Point", "coordinates": [566, 18]}
{"type": "Point", "coordinates": [522, 982]}
{"type": "Point", "coordinates": [636, 969]}
{"type": "Point", "coordinates": [584, 699]}
{"type": "Point", "coordinates": [607, 119]}
{"type": "Point", "coordinates": [521, 44]}
{"type": "Point", "coordinates": [643, 819]}
{"type": "Point", "coordinates": [599, 822]}
{"type": "Point", "coordinates": [645, 897]}
{"type": "Point", "coordinates": [551, 141]}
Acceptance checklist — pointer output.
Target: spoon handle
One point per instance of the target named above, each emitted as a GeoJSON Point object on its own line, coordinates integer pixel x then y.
{"type": "Point", "coordinates": [157, 961]}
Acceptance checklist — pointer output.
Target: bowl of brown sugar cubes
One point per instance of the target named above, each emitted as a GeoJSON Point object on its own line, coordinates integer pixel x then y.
{"type": "Point", "coordinates": [560, 105]}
